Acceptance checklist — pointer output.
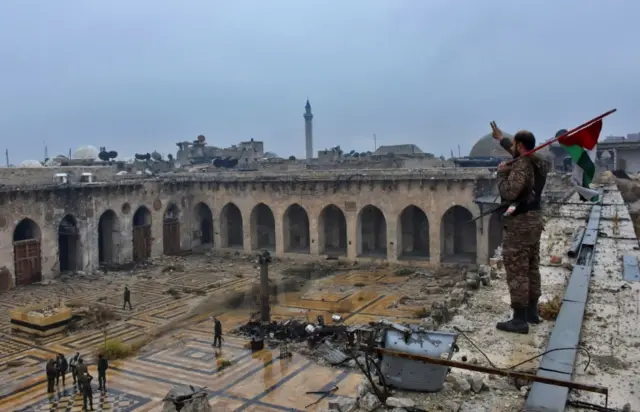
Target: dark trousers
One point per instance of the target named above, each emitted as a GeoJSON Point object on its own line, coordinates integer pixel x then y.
{"type": "Point", "coordinates": [51, 380]}
{"type": "Point", "coordinates": [87, 394]}
{"type": "Point", "coordinates": [61, 374]}
{"type": "Point", "coordinates": [124, 305]}
{"type": "Point", "coordinates": [217, 339]}
{"type": "Point", "coordinates": [73, 374]}
{"type": "Point", "coordinates": [102, 380]}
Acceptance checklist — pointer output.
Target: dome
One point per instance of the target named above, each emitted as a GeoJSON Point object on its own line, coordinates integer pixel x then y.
{"type": "Point", "coordinates": [31, 163]}
{"type": "Point", "coordinates": [488, 146]}
{"type": "Point", "coordinates": [85, 153]}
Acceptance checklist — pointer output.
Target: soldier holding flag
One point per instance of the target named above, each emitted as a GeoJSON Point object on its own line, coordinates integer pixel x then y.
{"type": "Point", "coordinates": [520, 183]}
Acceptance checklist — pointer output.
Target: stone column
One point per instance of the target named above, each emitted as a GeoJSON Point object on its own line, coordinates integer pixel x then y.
{"type": "Point", "coordinates": [352, 235]}
{"type": "Point", "coordinates": [434, 239]}
{"type": "Point", "coordinates": [278, 216]}
{"type": "Point", "coordinates": [392, 237]}
{"type": "Point", "coordinates": [314, 238]}
{"type": "Point", "coordinates": [482, 234]}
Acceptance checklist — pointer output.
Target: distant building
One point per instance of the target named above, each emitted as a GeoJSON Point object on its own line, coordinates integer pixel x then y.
{"type": "Point", "coordinates": [197, 152]}
{"type": "Point", "coordinates": [399, 149]}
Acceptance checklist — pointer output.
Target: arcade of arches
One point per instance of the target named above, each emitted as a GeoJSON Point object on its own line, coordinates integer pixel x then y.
{"type": "Point", "coordinates": [370, 231]}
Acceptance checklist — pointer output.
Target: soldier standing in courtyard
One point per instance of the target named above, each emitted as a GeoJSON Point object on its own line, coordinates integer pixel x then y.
{"type": "Point", "coordinates": [81, 373]}
{"type": "Point", "coordinates": [103, 365]}
{"type": "Point", "coordinates": [217, 333]}
{"type": "Point", "coordinates": [87, 392]}
{"type": "Point", "coordinates": [127, 298]}
{"type": "Point", "coordinates": [62, 365]}
{"type": "Point", "coordinates": [51, 372]}
{"type": "Point", "coordinates": [72, 365]}
{"type": "Point", "coordinates": [521, 183]}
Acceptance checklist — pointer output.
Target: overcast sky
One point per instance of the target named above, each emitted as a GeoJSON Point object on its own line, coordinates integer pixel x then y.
{"type": "Point", "coordinates": [139, 75]}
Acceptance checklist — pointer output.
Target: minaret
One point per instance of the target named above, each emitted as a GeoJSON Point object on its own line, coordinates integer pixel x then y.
{"type": "Point", "coordinates": [308, 129]}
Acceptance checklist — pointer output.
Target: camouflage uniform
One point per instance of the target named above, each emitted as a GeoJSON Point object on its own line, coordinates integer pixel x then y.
{"type": "Point", "coordinates": [521, 244]}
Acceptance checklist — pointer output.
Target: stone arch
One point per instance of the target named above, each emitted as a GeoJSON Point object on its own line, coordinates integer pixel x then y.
{"type": "Point", "coordinates": [372, 232]}
{"type": "Point", "coordinates": [69, 246]}
{"type": "Point", "coordinates": [332, 231]}
{"type": "Point", "coordinates": [231, 226]}
{"type": "Point", "coordinates": [171, 230]}
{"type": "Point", "coordinates": [458, 243]}
{"type": "Point", "coordinates": [203, 225]}
{"type": "Point", "coordinates": [413, 233]}
{"type": "Point", "coordinates": [495, 232]}
{"type": "Point", "coordinates": [108, 237]}
{"type": "Point", "coordinates": [263, 228]}
{"type": "Point", "coordinates": [142, 234]}
{"type": "Point", "coordinates": [296, 229]}
{"type": "Point", "coordinates": [27, 256]}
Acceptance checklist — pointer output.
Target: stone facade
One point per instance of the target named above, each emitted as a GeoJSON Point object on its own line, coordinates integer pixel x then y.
{"type": "Point", "coordinates": [394, 215]}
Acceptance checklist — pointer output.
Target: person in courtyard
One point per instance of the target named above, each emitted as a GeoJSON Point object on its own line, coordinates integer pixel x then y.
{"type": "Point", "coordinates": [521, 183]}
{"type": "Point", "coordinates": [87, 392]}
{"type": "Point", "coordinates": [62, 365]}
{"type": "Point", "coordinates": [72, 365]}
{"type": "Point", "coordinates": [103, 365]}
{"type": "Point", "coordinates": [127, 298]}
{"type": "Point", "coordinates": [52, 372]}
{"type": "Point", "coordinates": [81, 372]}
{"type": "Point", "coordinates": [217, 333]}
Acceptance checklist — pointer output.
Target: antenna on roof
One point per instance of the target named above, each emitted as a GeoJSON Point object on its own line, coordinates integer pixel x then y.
{"type": "Point", "coordinates": [6, 155]}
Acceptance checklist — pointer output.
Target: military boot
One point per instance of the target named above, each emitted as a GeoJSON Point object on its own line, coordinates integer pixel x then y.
{"type": "Point", "coordinates": [516, 325]}
{"type": "Point", "coordinates": [532, 313]}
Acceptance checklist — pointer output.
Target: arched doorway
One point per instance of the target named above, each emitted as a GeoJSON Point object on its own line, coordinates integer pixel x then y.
{"type": "Point", "coordinates": [457, 236]}
{"type": "Point", "coordinates": [263, 228]}
{"type": "Point", "coordinates": [141, 234]}
{"type": "Point", "coordinates": [372, 232]}
{"type": "Point", "coordinates": [69, 248]}
{"type": "Point", "coordinates": [495, 232]}
{"type": "Point", "coordinates": [171, 230]}
{"type": "Point", "coordinates": [332, 231]}
{"type": "Point", "coordinates": [231, 227]}
{"type": "Point", "coordinates": [203, 225]}
{"type": "Point", "coordinates": [296, 229]}
{"type": "Point", "coordinates": [413, 239]}
{"type": "Point", "coordinates": [27, 257]}
{"type": "Point", "coordinates": [108, 237]}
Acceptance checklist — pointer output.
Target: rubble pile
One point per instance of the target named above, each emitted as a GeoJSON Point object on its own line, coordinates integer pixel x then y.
{"type": "Point", "coordinates": [45, 312]}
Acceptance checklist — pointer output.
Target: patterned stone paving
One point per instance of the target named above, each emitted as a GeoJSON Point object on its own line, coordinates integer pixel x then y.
{"type": "Point", "coordinates": [258, 381]}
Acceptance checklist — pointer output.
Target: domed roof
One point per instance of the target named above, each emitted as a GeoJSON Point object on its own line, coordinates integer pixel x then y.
{"type": "Point", "coordinates": [86, 153]}
{"type": "Point", "coordinates": [488, 146]}
{"type": "Point", "coordinates": [31, 163]}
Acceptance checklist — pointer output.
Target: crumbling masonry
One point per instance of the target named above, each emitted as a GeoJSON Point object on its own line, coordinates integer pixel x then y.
{"type": "Point", "coordinates": [421, 217]}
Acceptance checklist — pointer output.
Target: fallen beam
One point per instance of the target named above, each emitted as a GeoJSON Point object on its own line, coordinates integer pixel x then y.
{"type": "Point", "coordinates": [495, 371]}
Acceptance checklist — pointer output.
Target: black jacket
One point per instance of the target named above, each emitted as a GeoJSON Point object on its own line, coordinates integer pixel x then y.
{"type": "Point", "coordinates": [103, 365]}
{"type": "Point", "coordinates": [63, 365]}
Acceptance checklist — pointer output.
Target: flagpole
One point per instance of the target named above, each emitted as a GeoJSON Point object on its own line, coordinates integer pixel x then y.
{"type": "Point", "coordinates": [575, 129]}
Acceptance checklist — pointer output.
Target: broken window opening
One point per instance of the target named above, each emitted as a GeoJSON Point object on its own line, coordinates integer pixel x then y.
{"type": "Point", "coordinates": [413, 242]}
{"type": "Point", "coordinates": [296, 229]}
{"type": "Point", "coordinates": [372, 227]}
{"type": "Point", "coordinates": [263, 228]}
{"type": "Point", "coordinates": [332, 227]}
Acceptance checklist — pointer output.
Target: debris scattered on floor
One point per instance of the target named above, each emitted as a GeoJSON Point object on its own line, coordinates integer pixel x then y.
{"type": "Point", "coordinates": [187, 398]}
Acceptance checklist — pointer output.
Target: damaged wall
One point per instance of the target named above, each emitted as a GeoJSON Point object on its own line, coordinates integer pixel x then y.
{"type": "Point", "coordinates": [307, 217]}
